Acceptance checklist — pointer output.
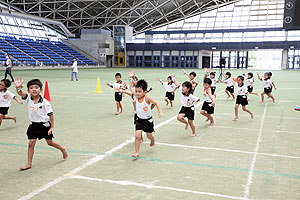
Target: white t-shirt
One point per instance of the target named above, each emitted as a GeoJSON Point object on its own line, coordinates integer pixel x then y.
{"type": "Point", "coordinates": [206, 96]}
{"type": "Point", "coordinates": [241, 90]}
{"type": "Point", "coordinates": [168, 87]}
{"type": "Point", "coordinates": [213, 81]}
{"type": "Point", "coordinates": [250, 81]}
{"type": "Point", "coordinates": [74, 67]}
{"type": "Point", "coordinates": [7, 63]}
{"type": "Point", "coordinates": [143, 109]}
{"type": "Point", "coordinates": [187, 101]}
{"type": "Point", "coordinates": [40, 111]}
{"type": "Point", "coordinates": [267, 83]}
{"type": "Point", "coordinates": [229, 82]}
{"type": "Point", "coordinates": [117, 86]}
{"type": "Point", "coordinates": [5, 98]}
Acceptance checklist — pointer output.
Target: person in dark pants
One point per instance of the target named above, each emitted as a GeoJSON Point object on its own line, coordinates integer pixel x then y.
{"type": "Point", "coordinates": [8, 68]}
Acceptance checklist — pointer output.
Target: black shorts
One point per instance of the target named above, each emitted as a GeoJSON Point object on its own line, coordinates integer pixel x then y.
{"type": "Point", "coordinates": [268, 90]}
{"type": "Point", "coordinates": [242, 99]}
{"type": "Point", "coordinates": [4, 110]}
{"type": "Point", "coordinates": [188, 111]}
{"type": "Point", "coordinates": [170, 95]}
{"type": "Point", "coordinates": [146, 125]}
{"type": "Point", "coordinates": [207, 106]}
{"type": "Point", "coordinates": [213, 89]}
{"type": "Point", "coordinates": [38, 130]}
{"type": "Point", "coordinates": [230, 89]}
{"type": "Point", "coordinates": [118, 96]}
{"type": "Point", "coordinates": [250, 89]}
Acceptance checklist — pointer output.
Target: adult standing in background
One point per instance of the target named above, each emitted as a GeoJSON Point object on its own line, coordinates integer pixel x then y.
{"type": "Point", "coordinates": [74, 70]}
{"type": "Point", "coordinates": [8, 68]}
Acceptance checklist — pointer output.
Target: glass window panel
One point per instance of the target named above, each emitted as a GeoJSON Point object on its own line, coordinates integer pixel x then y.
{"type": "Point", "coordinates": [15, 30]}
{"type": "Point", "coordinates": [8, 29]}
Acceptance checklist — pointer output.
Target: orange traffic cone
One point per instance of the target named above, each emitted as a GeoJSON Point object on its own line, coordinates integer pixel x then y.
{"type": "Point", "coordinates": [46, 92]}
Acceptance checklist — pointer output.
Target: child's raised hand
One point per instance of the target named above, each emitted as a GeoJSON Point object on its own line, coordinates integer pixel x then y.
{"type": "Point", "coordinates": [131, 74]}
{"type": "Point", "coordinates": [19, 82]}
{"type": "Point", "coordinates": [158, 79]}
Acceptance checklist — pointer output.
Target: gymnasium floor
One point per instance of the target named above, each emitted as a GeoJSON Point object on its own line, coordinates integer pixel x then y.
{"type": "Point", "coordinates": [247, 159]}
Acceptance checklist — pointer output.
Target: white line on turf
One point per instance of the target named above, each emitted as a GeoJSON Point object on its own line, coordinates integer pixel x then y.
{"type": "Point", "coordinates": [91, 161]}
{"type": "Point", "coordinates": [148, 186]}
{"type": "Point", "coordinates": [221, 149]}
{"type": "Point", "coordinates": [250, 175]}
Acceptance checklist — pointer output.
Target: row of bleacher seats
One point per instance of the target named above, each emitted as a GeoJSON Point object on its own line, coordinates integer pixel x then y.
{"type": "Point", "coordinates": [31, 52]}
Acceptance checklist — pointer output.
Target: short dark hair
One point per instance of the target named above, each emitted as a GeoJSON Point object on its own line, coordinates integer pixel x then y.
{"type": "Point", "coordinates": [241, 77]}
{"type": "Point", "coordinates": [269, 75]}
{"type": "Point", "coordinates": [6, 82]}
{"type": "Point", "coordinates": [118, 74]}
{"type": "Point", "coordinates": [193, 73]}
{"type": "Point", "coordinates": [228, 74]}
{"type": "Point", "coordinates": [208, 81]}
{"type": "Point", "coordinates": [170, 77]}
{"type": "Point", "coordinates": [189, 85]}
{"type": "Point", "coordinates": [213, 73]}
{"type": "Point", "coordinates": [142, 84]}
{"type": "Point", "coordinates": [34, 82]}
{"type": "Point", "coordinates": [250, 74]}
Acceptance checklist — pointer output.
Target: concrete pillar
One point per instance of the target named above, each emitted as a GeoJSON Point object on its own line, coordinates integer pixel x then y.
{"type": "Point", "coordinates": [284, 60]}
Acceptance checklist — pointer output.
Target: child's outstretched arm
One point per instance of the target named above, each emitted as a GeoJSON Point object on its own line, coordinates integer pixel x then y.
{"type": "Point", "coordinates": [19, 84]}
{"type": "Point", "coordinates": [160, 81]}
{"type": "Point", "coordinates": [186, 74]}
{"type": "Point", "coordinates": [175, 82]}
{"type": "Point", "coordinates": [221, 81]}
{"type": "Point", "coordinates": [17, 100]}
{"type": "Point", "coordinates": [259, 76]}
{"type": "Point", "coordinates": [109, 84]}
{"type": "Point", "coordinates": [155, 103]}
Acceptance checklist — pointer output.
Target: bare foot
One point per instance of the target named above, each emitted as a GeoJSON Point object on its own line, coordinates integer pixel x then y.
{"type": "Point", "coordinates": [186, 127]}
{"type": "Point", "coordinates": [261, 102]}
{"type": "Point", "coordinates": [251, 115]}
{"type": "Point", "coordinates": [65, 153]}
{"type": "Point", "coordinates": [15, 119]}
{"type": "Point", "coordinates": [193, 135]}
{"type": "Point", "coordinates": [228, 97]}
{"type": "Point", "coordinates": [235, 119]}
{"type": "Point", "coordinates": [28, 166]}
{"type": "Point", "coordinates": [211, 124]}
{"type": "Point", "coordinates": [136, 155]}
{"type": "Point", "coordinates": [152, 142]}
{"type": "Point", "coordinates": [121, 111]}
{"type": "Point", "coordinates": [117, 113]}
{"type": "Point", "coordinates": [207, 120]}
